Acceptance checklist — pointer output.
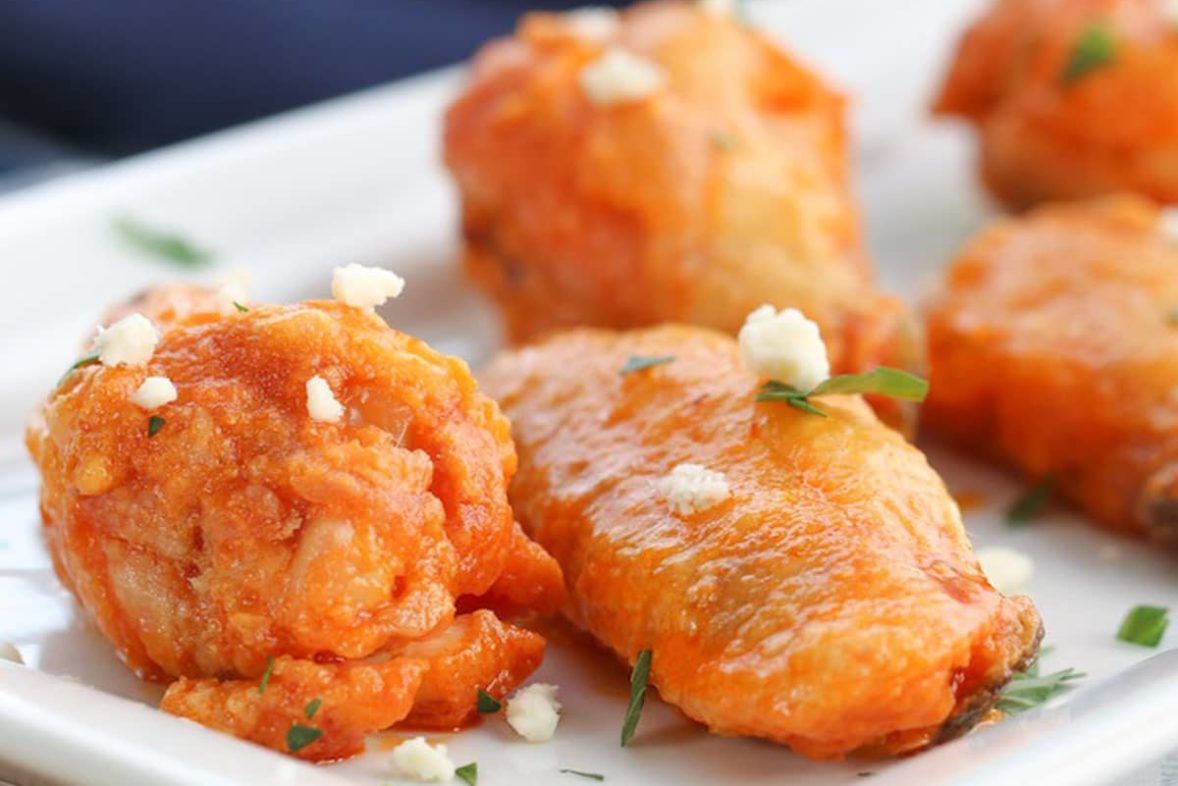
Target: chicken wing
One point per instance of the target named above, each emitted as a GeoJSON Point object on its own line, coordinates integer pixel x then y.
{"type": "Point", "coordinates": [814, 586]}
{"type": "Point", "coordinates": [1071, 98]}
{"type": "Point", "coordinates": [1054, 348]}
{"type": "Point", "coordinates": [721, 188]}
{"type": "Point", "coordinates": [235, 522]}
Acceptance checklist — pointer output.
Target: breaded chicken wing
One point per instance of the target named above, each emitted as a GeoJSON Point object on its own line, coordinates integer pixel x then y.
{"type": "Point", "coordinates": [800, 578]}
{"type": "Point", "coordinates": [318, 488]}
{"type": "Point", "coordinates": [1054, 348]}
{"type": "Point", "coordinates": [1071, 98]}
{"type": "Point", "coordinates": [664, 164]}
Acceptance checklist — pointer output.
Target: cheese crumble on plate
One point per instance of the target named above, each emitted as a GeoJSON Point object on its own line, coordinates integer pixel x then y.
{"type": "Point", "coordinates": [421, 761]}
{"type": "Point", "coordinates": [593, 24]}
{"type": "Point", "coordinates": [1008, 570]}
{"type": "Point", "coordinates": [533, 712]}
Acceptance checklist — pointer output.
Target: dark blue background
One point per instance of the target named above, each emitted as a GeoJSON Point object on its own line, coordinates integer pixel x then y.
{"type": "Point", "coordinates": [98, 78]}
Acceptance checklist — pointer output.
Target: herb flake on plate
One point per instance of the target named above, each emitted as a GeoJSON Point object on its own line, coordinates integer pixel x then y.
{"type": "Point", "coordinates": [1144, 625]}
{"type": "Point", "coordinates": [640, 362]}
{"type": "Point", "coordinates": [1027, 689]}
{"type": "Point", "coordinates": [487, 704]}
{"type": "Point", "coordinates": [639, 678]}
{"type": "Point", "coordinates": [240, 308]}
{"type": "Point", "coordinates": [161, 243]}
{"type": "Point", "coordinates": [469, 773]}
{"type": "Point", "coordinates": [1031, 503]}
{"type": "Point", "coordinates": [593, 776]}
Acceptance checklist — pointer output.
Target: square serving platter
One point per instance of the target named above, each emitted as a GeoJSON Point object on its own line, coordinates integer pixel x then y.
{"type": "Point", "coordinates": [359, 180]}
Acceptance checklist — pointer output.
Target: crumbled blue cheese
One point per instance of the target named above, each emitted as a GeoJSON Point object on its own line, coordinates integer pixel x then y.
{"type": "Point", "coordinates": [9, 652]}
{"type": "Point", "coordinates": [129, 342]}
{"type": "Point", "coordinates": [417, 759]}
{"type": "Point", "coordinates": [365, 287]}
{"type": "Point", "coordinates": [322, 405]}
{"type": "Point", "coordinates": [533, 712]}
{"type": "Point", "coordinates": [621, 77]}
{"type": "Point", "coordinates": [154, 393]}
{"type": "Point", "coordinates": [594, 24]}
{"type": "Point", "coordinates": [1008, 570]}
{"type": "Point", "coordinates": [784, 346]}
{"type": "Point", "coordinates": [690, 488]}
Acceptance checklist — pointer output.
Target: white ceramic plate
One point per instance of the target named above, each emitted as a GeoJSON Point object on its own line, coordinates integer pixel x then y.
{"type": "Point", "coordinates": [358, 180]}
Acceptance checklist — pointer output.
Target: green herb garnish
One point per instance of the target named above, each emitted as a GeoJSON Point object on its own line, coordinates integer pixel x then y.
{"type": "Point", "coordinates": [240, 308]}
{"type": "Point", "coordinates": [1030, 504]}
{"type": "Point", "coordinates": [154, 424]}
{"type": "Point", "coordinates": [1095, 47]}
{"type": "Point", "coordinates": [488, 704]}
{"type": "Point", "coordinates": [1027, 689]}
{"type": "Point", "coordinates": [638, 679]}
{"type": "Point", "coordinates": [1144, 625]}
{"type": "Point", "coordinates": [640, 362]}
{"type": "Point", "coordinates": [312, 707]}
{"type": "Point", "coordinates": [86, 360]}
{"type": "Point", "coordinates": [593, 776]}
{"type": "Point", "coordinates": [265, 683]}
{"type": "Point", "coordinates": [300, 737]}
{"type": "Point", "coordinates": [883, 381]}
{"type": "Point", "coordinates": [161, 243]}
{"type": "Point", "coordinates": [469, 773]}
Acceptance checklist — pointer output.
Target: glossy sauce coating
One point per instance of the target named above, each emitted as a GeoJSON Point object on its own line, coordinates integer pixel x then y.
{"type": "Point", "coordinates": [1047, 136]}
{"type": "Point", "coordinates": [833, 603]}
{"type": "Point", "coordinates": [1054, 348]}
{"type": "Point", "coordinates": [244, 529]}
{"type": "Point", "coordinates": [725, 190]}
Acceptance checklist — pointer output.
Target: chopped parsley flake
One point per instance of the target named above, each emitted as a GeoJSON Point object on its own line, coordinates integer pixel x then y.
{"type": "Point", "coordinates": [1144, 625]}
{"type": "Point", "coordinates": [593, 776]}
{"type": "Point", "coordinates": [1027, 689]}
{"type": "Point", "coordinates": [265, 683]}
{"type": "Point", "coordinates": [300, 737]}
{"type": "Point", "coordinates": [639, 677]}
{"type": "Point", "coordinates": [883, 381]}
{"type": "Point", "coordinates": [312, 707]}
{"type": "Point", "coordinates": [240, 308]}
{"type": "Point", "coordinates": [160, 243]}
{"type": "Point", "coordinates": [1030, 504]}
{"type": "Point", "coordinates": [488, 704]}
{"type": "Point", "coordinates": [86, 360]}
{"type": "Point", "coordinates": [640, 362]}
{"type": "Point", "coordinates": [469, 773]}
{"type": "Point", "coordinates": [1095, 47]}
{"type": "Point", "coordinates": [154, 424]}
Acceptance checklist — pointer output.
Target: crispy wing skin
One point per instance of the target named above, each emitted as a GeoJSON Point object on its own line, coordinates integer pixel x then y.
{"type": "Point", "coordinates": [475, 651]}
{"type": "Point", "coordinates": [355, 699]}
{"type": "Point", "coordinates": [1054, 348]}
{"type": "Point", "coordinates": [724, 191]}
{"type": "Point", "coordinates": [833, 603]}
{"type": "Point", "coordinates": [244, 529]}
{"type": "Point", "coordinates": [1046, 134]}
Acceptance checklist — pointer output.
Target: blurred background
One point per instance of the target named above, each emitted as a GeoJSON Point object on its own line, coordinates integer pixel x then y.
{"type": "Point", "coordinates": [85, 82]}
